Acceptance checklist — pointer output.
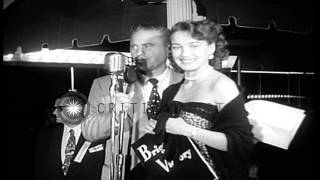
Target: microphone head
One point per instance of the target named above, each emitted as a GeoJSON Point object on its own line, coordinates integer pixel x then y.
{"type": "Point", "coordinates": [115, 62]}
{"type": "Point", "coordinates": [130, 75]}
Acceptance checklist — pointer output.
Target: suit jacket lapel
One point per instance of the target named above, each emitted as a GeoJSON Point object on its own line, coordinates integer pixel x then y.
{"type": "Point", "coordinates": [74, 165]}
{"type": "Point", "coordinates": [55, 149]}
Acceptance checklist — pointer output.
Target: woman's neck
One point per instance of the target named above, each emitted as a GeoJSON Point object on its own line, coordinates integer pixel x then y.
{"type": "Point", "coordinates": [198, 74]}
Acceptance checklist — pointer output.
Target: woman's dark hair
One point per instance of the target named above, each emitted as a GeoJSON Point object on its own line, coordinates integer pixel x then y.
{"type": "Point", "coordinates": [207, 30]}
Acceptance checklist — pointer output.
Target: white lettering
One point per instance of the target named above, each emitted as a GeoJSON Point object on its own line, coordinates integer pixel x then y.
{"type": "Point", "coordinates": [165, 165]}
{"type": "Point", "coordinates": [155, 151]}
{"type": "Point", "coordinates": [147, 154]}
{"type": "Point", "coordinates": [184, 155]}
{"type": "Point", "coordinates": [144, 152]}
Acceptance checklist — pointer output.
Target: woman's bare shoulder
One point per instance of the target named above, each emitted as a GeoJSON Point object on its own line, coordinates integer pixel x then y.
{"type": "Point", "coordinates": [224, 89]}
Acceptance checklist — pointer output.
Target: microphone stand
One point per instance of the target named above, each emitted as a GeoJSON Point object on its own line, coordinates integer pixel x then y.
{"type": "Point", "coordinates": [119, 156]}
{"type": "Point", "coordinates": [113, 114]}
{"type": "Point", "coordinates": [116, 147]}
{"type": "Point", "coordinates": [116, 64]}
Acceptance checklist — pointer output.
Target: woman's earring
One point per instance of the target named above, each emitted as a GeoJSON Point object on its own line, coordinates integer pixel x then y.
{"type": "Point", "coordinates": [211, 56]}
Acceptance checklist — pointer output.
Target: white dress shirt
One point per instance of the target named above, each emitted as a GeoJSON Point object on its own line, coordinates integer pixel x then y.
{"type": "Point", "coordinates": [163, 83]}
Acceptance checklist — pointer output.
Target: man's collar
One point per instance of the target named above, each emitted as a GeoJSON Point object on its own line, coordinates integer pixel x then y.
{"type": "Point", "coordinates": [75, 128]}
{"type": "Point", "coordinates": [161, 77]}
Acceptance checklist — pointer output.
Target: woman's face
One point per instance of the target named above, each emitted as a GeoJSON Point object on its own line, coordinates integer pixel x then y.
{"type": "Point", "coordinates": [189, 53]}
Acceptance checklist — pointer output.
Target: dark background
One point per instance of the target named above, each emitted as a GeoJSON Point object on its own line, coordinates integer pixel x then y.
{"type": "Point", "coordinates": [287, 44]}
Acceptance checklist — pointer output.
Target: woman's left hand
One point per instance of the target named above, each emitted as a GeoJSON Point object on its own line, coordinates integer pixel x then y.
{"type": "Point", "coordinates": [177, 126]}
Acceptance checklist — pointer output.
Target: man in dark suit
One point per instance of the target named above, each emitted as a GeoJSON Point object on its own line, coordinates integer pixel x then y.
{"type": "Point", "coordinates": [62, 153]}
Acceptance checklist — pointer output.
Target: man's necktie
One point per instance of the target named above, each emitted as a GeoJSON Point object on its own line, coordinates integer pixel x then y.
{"type": "Point", "coordinates": [69, 151]}
{"type": "Point", "coordinates": [154, 100]}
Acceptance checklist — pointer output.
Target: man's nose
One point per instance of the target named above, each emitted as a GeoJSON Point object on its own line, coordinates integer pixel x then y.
{"type": "Point", "coordinates": [140, 51]}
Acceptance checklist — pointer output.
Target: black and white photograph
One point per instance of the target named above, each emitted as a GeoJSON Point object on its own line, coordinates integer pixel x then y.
{"type": "Point", "coordinates": [159, 89]}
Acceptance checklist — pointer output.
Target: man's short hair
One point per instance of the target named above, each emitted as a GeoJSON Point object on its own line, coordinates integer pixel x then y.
{"type": "Point", "coordinates": [150, 27]}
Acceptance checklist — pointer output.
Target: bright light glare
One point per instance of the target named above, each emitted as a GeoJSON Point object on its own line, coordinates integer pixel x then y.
{"type": "Point", "coordinates": [61, 56]}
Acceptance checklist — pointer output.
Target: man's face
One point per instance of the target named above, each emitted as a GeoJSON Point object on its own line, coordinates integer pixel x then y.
{"type": "Point", "coordinates": [149, 50]}
{"type": "Point", "coordinates": [58, 107]}
{"type": "Point", "coordinates": [68, 111]}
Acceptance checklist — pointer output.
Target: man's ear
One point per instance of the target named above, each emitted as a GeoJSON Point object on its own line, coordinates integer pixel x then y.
{"type": "Point", "coordinates": [212, 48]}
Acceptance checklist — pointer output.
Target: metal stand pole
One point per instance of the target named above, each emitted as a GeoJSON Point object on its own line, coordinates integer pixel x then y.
{"type": "Point", "coordinates": [117, 129]}
{"type": "Point", "coordinates": [113, 122]}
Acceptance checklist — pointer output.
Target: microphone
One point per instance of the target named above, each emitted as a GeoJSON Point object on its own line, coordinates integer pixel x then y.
{"type": "Point", "coordinates": [115, 63]}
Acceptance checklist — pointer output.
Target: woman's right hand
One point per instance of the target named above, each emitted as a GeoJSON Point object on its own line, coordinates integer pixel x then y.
{"type": "Point", "coordinates": [177, 126]}
{"type": "Point", "coordinates": [149, 126]}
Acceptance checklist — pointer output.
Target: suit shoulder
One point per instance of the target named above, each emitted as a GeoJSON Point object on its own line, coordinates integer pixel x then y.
{"type": "Point", "coordinates": [49, 129]}
{"type": "Point", "coordinates": [101, 141]}
{"type": "Point", "coordinates": [49, 133]}
{"type": "Point", "coordinates": [102, 79]}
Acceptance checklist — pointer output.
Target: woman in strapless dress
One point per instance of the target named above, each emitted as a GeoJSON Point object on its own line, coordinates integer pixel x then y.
{"type": "Point", "coordinates": [202, 127]}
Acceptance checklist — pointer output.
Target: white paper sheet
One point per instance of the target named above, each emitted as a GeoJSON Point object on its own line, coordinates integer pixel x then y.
{"type": "Point", "coordinates": [273, 123]}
